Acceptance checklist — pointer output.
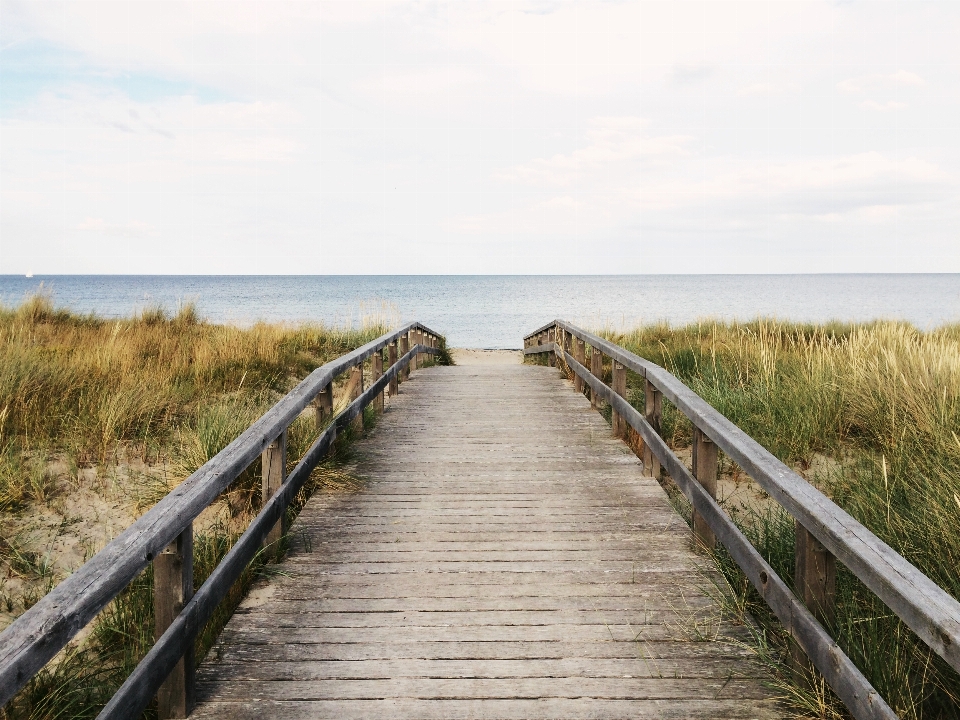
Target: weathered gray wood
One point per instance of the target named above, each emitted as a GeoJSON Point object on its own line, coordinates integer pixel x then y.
{"type": "Point", "coordinates": [551, 357]}
{"type": "Point", "coordinates": [619, 386]}
{"type": "Point", "coordinates": [460, 583]}
{"type": "Point", "coordinates": [43, 630]}
{"type": "Point", "coordinates": [354, 390]}
{"type": "Point", "coordinates": [816, 576]}
{"type": "Point", "coordinates": [391, 361]}
{"type": "Point", "coordinates": [926, 608]}
{"type": "Point", "coordinates": [404, 349]}
{"type": "Point", "coordinates": [596, 367]}
{"type": "Point", "coordinates": [324, 406]}
{"type": "Point", "coordinates": [576, 708]}
{"type": "Point", "coordinates": [841, 674]}
{"type": "Point", "coordinates": [375, 374]}
{"type": "Point", "coordinates": [273, 473]}
{"type": "Point", "coordinates": [816, 584]}
{"type": "Point", "coordinates": [653, 412]}
{"type": "Point", "coordinates": [580, 353]}
{"type": "Point", "coordinates": [172, 589]}
{"type": "Point", "coordinates": [705, 471]}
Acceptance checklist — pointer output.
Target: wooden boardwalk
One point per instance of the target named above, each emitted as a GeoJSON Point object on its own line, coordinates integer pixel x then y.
{"type": "Point", "coordinates": [506, 559]}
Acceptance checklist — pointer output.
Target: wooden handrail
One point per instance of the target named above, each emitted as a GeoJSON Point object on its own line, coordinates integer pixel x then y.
{"type": "Point", "coordinates": [931, 612]}
{"type": "Point", "coordinates": [43, 630]}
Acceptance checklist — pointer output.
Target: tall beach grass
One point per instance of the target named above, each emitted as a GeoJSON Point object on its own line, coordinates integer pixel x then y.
{"type": "Point", "coordinates": [170, 391]}
{"type": "Point", "coordinates": [870, 413]}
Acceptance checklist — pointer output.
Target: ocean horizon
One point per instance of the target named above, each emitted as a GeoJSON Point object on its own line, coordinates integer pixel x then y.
{"type": "Point", "coordinates": [496, 311]}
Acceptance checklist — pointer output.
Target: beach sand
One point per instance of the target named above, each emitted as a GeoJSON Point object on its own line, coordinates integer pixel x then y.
{"type": "Point", "coordinates": [467, 356]}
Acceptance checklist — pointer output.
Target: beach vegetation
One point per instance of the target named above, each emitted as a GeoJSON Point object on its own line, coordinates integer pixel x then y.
{"type": "Point", "coordinates": [99, 419]}
{"type": "Point", "coordinates": [868, 413]}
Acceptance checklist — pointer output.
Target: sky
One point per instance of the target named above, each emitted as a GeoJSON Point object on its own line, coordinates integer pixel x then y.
{"type": "Point", "coordinates": [360, 137]}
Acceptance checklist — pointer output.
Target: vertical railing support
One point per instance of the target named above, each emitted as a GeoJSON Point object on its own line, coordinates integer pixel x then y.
{"type": "Point", "coordinates": [815, 580]}
{"type": "Point", "coordinates": [376, 374]}
{"type": "Point", "coordinates": [596, 368]}
{"type": "Point", "coordinates": [816, 576]}
{"type": "Point", "coordinates": [356, 389]}
{"type": "Point", "coordinates": [551, 356]}
{"type": "Point", "coordinates": [392, 360]}
{"type": "Point", "coordinates": [404, 349]}
{"type": "Point", "coordinates": [324, 406]}
{"type": "Point", "coordinates": [273, 473]}
{"type": "Point", "coordinates": [172, 589]}
{"type": "Point", "coordinates": [705, 459]}
{"type": "Point", "coordinates": [653, 410]}
{"type": "Point", "coordinates": [619, 386]}
{"type": "Point", "coordinates": [580, 353]}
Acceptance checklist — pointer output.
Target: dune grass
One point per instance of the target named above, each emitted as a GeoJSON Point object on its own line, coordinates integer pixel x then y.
{"type": "Point", "coordinates": [870, 413]}
{"type": "Point", "coordinates": [169, 391]}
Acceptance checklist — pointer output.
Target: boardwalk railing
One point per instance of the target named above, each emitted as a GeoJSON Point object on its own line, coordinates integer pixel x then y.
{"type": "Point", "coordinates": [164, 536]}
{"type": "Point", "coordinates": [825, 533]}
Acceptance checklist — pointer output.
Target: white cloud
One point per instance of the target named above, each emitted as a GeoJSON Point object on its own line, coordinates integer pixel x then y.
{"type": "Point", "coordinates": [191, 133]}
{"type": "Point", "coordinates": [887, 106]}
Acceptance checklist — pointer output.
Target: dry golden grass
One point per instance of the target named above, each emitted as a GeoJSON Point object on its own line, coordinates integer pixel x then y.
{"type": "Point", "coordinates": [103, 417]}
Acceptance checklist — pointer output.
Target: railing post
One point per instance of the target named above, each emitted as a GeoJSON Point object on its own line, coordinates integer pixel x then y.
{"type": "Point", "coordinates": [376, 374]}
{"type": "Point", "coordinates": [815, 579]}
{"type": "Point", "coordinates": [356, 389]}
{"type": "Point", "coordinates": [392, 360]}
{"type": "Point", "coordinates": [816, 576]}
{"type": "Point", "coordinates": [404, 349]}
{"type": "Point", "coordinates": [619, 386]}
{"type": "Point", "coordinates": [324, 405]}
{"type": "Point", "coordinates": [551, 356]}
{"type": "Point", "coordinates": [172, 589]}
{"type": "Point", "coordinates": [273, 472]}
{"type": "Point", "coordinates": [705, 471]}
{"type": "Point", "coordinates": [653, 411]}
{"type": "Point", "coordinates": [580, 354]}
{"type": "Point", "coordinates": [596, 368]}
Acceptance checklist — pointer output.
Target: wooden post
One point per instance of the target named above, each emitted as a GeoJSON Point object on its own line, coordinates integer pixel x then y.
{"type": "Point", "coordinates": [404, 349]}
{"type": "Point", "coordinates": [376, 375]}
{"type": "Point", "coordinates": [816, 576]}
{"type": "Point", "coordinates": [392, 360]}
{"type": "Point", "coordinates": [172, 589]}
{"type": "Point", "coordinates": [596, 368]}
{"type": "Point", "coordinates": [580, 353]}
{"type": "Point", "coordinates": [551, 357]}
{"type": "Point", "coordinates": [324, 405]}
{"type": "Point", "coordinates": [815, 581]}
{"type": "Point", "coordinates": [705, 471]}
{"type": "Point", "coordinates": [356, 389]}
{"type": "Point", "coordinates": [653, 412]}
{"type": "Point", "coordinates": [273, 472]}
{"type": "Point", "coordinates": [619, 386]}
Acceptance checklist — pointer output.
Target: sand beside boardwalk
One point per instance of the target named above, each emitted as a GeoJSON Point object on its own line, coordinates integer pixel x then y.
{"type": "Point", "coordinates": [467, 356]}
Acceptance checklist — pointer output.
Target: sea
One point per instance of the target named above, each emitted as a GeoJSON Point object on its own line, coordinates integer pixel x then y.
{"type": "Point", "coordinates": [496, 311]}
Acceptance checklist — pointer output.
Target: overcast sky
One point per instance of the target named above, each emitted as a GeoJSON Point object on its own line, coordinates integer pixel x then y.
{"type": "Point", "coordinates": [479, 137]}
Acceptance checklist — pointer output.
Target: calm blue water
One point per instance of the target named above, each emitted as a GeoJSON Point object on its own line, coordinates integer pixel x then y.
{"type": "Point", "coordinates": [497, 311]}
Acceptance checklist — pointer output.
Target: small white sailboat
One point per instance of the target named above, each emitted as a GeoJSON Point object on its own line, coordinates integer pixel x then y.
{"type": "Point", "coordinates": [29, 274]}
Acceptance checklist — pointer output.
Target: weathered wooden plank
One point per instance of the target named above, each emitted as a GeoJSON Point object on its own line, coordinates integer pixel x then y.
{"type": "Point", "coordinates": [502, 709]}
{"type": "Point", "coordinates": [660, 655]}
{"type": "Point", "coordinates": [251, 667]}
{"type": "Point", "coordinates": [625, 688]}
